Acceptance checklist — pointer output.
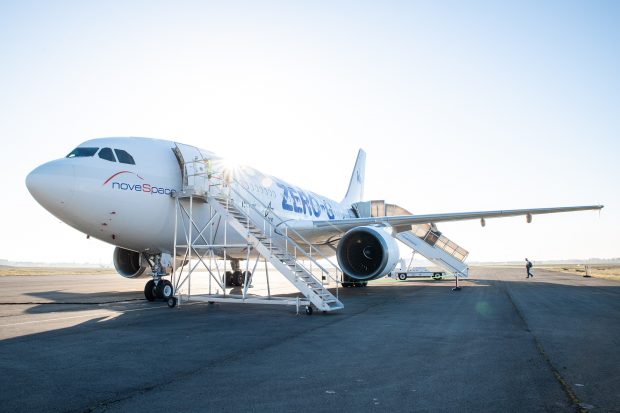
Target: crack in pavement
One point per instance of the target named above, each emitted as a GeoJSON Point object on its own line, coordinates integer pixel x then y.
{"type": "Point", "coordinates": [572, 397]}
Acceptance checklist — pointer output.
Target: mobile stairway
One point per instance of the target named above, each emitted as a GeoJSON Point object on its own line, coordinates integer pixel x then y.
{"type": "Point", "coordinates": [424, 239]}
{"type": "Point", "coordinates": [225, 205]}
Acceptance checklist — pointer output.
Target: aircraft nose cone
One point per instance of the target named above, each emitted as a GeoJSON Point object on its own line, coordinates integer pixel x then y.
{"type": "Point", "coordinates": [52, 185]}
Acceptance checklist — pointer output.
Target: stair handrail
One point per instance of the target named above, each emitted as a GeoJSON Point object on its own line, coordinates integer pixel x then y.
{"type": "Point", "coordinates": [288, 227]}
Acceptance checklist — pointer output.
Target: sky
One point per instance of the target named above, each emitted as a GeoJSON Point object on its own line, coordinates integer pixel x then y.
{"type": "Point", "coordinates": [460, 106]}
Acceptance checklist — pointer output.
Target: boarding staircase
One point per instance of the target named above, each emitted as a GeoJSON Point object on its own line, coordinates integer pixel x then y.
{"type": "Point", "coordinates": [434, 253]}
{"type": "Point", "coordinates": [278, 248]}
{"type": "Point", "coordinates": [263, 231]}
{"type": "Point", "coordinates": [424, 239]}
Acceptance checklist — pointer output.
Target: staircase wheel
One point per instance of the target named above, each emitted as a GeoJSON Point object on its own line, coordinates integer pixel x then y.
{"type": "Point", "coordinates": [308, 310]}
{"type": "Point", "coordinates": [172, 302]}
{"type": "Point", "coordinates": [402, 276]}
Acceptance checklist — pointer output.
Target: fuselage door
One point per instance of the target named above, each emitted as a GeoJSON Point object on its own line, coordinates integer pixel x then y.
{"type": "Point", "coordinates": [195, 169]}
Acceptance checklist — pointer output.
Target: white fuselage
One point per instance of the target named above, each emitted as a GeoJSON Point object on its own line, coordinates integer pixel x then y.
{"type": "Point", "coordinates": [131, 205]}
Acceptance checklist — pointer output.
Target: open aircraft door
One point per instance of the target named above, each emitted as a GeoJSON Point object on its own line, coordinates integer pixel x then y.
{"type": "Point", "coordinates": [195, 168]}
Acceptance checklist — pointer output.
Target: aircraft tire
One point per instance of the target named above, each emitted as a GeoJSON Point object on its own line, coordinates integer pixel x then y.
{"type": "Point", "coordinates": [246, 275]}
{"type": "Point", "coordinates": [228, 279]}
{"type": "Point", "coordinates": [167, 290]}
{"type": "Point", "coordinates": [402, 276]}
{"type": "Point", "coordinates": [149, 290]}
{"type": "Point", "coordinates": [237, 278]}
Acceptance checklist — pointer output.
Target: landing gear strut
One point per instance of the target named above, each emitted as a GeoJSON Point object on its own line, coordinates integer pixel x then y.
{"type": "Point", "coordinates": [158, 288]}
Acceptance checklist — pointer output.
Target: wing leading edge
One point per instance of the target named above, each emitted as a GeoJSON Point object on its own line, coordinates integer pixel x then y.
{"type": "Point", "coordinates": [401, 222]}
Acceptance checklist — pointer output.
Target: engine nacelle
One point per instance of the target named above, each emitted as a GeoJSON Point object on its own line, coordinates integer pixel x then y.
{"type": "Point", "coordinates": [128, 263]}
{"type": "Point", "coordinates": [366, 253]}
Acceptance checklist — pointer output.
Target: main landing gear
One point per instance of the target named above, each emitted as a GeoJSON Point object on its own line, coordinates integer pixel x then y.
{"type": "Point", "coordinates": [349, 282]}
{"type": "Point", "coordinates": [237, 278]}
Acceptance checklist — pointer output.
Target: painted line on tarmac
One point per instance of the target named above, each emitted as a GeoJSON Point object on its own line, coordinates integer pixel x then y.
{"type": "Point", "coordinates": [79, 316]}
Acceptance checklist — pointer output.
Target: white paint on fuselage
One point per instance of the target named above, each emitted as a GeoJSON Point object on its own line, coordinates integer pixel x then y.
{"type": "Point", "coordinates": [130, 205]}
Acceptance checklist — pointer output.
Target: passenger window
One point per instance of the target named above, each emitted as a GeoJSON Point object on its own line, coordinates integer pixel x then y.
{"type": "Point", "coordinates": [124, 157]}
{"type": "Point", "coordinates": [82, 152]}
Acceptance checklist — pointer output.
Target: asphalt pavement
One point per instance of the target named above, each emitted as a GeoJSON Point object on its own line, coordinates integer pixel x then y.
{"type": "Point", "coordinates": [502, 343]}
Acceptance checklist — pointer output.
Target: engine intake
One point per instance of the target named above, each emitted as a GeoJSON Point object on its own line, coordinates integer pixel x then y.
{"type": "Point", "coordinates": [366, 253]}
{"type": "Point", "coordinates": [128, 263]}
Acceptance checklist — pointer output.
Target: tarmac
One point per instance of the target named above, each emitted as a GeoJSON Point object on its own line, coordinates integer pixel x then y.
{"type": "Point", "coordinates": [503, 343]}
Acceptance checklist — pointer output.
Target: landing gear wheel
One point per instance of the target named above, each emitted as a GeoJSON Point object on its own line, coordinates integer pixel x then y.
{"type": "Point", "coordinates": [347, 284]}
{"type": "Point", "coordinates": [237, 278]}
{"type": "Point", "coordinates": [149, 290]}
{"type": "Point", "coordinates": [308, 310]}
{"type": "Point", "coordinates": [402, 276]}
{"type": "Point", "coordinates": [167, 290]}
{"type": "Point", "coordinates": [228, 279]}
{"type": "Point", "coordinates": [172, 302]}
{"type": "Point", "coordinates": [247, 275]}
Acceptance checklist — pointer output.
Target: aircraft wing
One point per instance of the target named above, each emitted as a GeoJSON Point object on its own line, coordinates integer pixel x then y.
{"type": "Point", "coordinates": [403, 222]}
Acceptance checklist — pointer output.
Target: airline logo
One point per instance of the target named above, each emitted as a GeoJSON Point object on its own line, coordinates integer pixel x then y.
{"type": "Point", "coordinates": [119, 184]}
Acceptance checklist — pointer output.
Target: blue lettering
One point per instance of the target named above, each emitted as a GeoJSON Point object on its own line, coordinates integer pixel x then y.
{"type": "Point", "coordinates": [316, 207]}
{"type": "Point", "coordinates": [304, 202]}
{"type": "Point", "coordinates": [285, 203]}
{"type": "Point", "coordinates": [296, 200]}
{"type": "Point", "coordinates": [328, 209]}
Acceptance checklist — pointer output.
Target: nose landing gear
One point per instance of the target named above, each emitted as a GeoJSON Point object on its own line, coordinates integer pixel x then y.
{"type": "Point", "coordinates": [158, 288]}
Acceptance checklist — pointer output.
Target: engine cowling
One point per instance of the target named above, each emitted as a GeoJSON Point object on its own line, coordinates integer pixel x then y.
{"type": "Point", "coordinates": [366, 253]}
{"type": "Point", "coordinates": [128, 263]}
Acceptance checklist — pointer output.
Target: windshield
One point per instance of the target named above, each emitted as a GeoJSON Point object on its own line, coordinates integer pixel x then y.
{"type": "Point", "coordinates": [82, 152]}
{"type": "Point", "coordinates": [124, 157]}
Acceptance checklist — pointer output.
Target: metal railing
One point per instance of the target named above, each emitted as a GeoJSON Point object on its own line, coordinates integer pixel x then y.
{"type": "Point", "coordinates": [313, 253]}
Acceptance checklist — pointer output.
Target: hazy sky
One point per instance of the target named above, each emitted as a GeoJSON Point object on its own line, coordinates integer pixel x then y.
{"type": "Point", "coordinates": [460, 106]}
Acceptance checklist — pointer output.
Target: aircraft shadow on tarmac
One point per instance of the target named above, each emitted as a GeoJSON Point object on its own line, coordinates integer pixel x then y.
{"type": "Point", "coordinates": [58, 301]}
{"type": "Point", "coordinates": [54, 301]}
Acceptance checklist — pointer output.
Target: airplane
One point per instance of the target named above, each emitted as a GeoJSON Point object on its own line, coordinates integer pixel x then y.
{"type": "Point", "coordinates": [121, 191]}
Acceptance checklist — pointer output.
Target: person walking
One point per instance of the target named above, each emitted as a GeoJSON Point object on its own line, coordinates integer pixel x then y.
{"type": "Point", "coordinates": [528, 267]}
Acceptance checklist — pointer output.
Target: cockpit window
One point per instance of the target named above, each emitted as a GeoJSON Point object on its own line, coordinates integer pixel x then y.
{"type": "Point", "coordinates": [82, 152]}
{"type": "Point", "coordinates": [107, 154]}
{"type": "Point", "coordinates": [124, 157]}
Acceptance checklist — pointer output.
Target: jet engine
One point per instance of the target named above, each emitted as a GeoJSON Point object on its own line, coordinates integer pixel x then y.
{"type": "Point", "coordinates": [128, 263]}
{"type": "Point", "coordinates": [366, 253]}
